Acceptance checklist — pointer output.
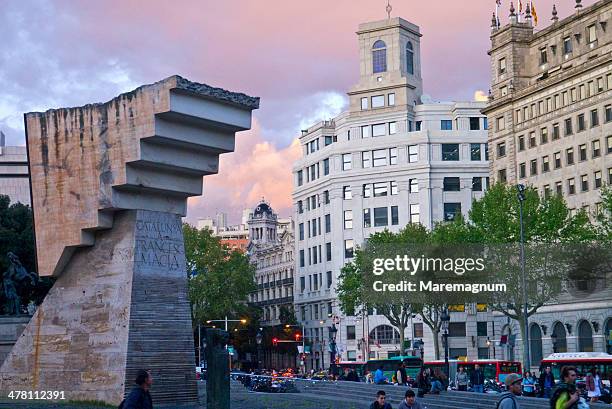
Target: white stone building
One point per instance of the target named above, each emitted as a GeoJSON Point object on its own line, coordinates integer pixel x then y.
{"type": "Point", "coordinates": [392, 158]}
{"type": "Point", "coordinates": [14, 173]}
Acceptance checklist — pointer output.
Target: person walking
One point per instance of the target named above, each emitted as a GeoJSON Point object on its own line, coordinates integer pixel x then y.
{"type": "Point", "coordinates": [477, 379]}
{"type": "Point", "coordinates": [401, 374]}
{"type": "Point", "coordinates": [593, 385]}
{"type": "Point", "coordinates": [139, 397]}
{"type": "Point", "coordinates": [380, 402]}
{"type": "Point", "coordinates": [462, 379]}
{"type": "Point", "coordinates": [565, 395]}
{"type": "Point", "coordinates": [508, 399]}
{"type": "Point", "coordinates": [528, 384]}
{"type": "Point", "coordinates": [410, 401]}
{"type": "Point", "coordinates": [546, 383]}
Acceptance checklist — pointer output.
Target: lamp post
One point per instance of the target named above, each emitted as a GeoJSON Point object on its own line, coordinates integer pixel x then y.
{"type": "Point", "coordinates": [445, 319]}
{"type": "Point", "coordinates": [259, 340]}
{"type": "Point", "coordinates": [332, 348]}
{"type": "Point", "coordinates": [526, 359]}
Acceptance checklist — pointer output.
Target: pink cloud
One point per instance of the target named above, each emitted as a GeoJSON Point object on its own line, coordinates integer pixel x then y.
{"type": "Point", "coordinates": [257, 169]}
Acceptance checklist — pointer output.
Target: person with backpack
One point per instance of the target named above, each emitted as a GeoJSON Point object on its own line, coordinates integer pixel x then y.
{"type": "Point", "coordinates": [139, 397]}
{"type": "Point", "coordinates": [593, 385]}
{"type": "Point", "coordinates": [508, 399]}
{"type": "Point", "coordinates": [566, 395]}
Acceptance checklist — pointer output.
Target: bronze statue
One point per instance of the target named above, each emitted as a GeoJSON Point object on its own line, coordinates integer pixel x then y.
{"type": "Point", "coordinates": [12, 280]}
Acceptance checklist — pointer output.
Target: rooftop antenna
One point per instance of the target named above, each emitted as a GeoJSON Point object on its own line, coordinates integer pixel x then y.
{"type": "Point", "coordinates": [388, 8]}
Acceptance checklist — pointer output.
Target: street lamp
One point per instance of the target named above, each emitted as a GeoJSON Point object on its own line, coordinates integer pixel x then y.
{"type": "Point", "coordinates": [259, 340]}
{"type": "Point", "coordinates": [445, 319]}
{"type": "Point", "coordinates": [332, 348]}
{"type": "Point", "coordinates": [521, 198]}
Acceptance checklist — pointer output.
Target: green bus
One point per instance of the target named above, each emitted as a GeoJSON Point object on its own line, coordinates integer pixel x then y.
{"type": "Point", "coordinates": [389, 366]}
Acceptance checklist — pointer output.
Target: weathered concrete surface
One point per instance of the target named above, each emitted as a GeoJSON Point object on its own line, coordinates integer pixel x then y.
{"type": "Point", "coordinates": [11, 328]}
{"type": "Point", "coordinates": [110, 182]}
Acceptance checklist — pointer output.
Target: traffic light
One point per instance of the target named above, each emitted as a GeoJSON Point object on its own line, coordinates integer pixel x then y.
{"type": "Point", "coordinates": [274, 341]}
{"type": "Point", "coordinates": [298, 337]}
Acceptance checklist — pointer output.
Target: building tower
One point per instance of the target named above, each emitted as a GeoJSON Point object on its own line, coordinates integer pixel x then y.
{"type": "Point", "coordinates": [263, 223]}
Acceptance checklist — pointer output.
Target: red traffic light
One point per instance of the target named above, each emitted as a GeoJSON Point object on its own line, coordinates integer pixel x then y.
{"type": "Point", "coordinates": [298, 336]}
{"type": "Point", "coordinates": [275, 341]}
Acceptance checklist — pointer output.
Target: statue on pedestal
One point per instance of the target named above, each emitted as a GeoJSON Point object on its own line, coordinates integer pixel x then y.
{"type": "Point", "coordinates": [13, 279]}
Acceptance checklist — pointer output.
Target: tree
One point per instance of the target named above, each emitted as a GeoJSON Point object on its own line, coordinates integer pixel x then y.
{"type": "Point", "coordinates": [220, 279]}
{"type": "Point", "coordinates": [604, 216]}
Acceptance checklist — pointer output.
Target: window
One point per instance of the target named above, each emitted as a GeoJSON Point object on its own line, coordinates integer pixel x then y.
{"type": "Point", "coordinates": [415, 216]}
{"type": "Point", "coordinates": [546, 191]}
{"type": "Point", "coordinates": [348, 219]}
{"type": "Point", "coordinates": [413, 153]}
{"type": "Point", "coordinates": [557, 160]}
{"type": "Point", "coordinates": [502, 176]}
{"type": "Point", "coordinates": [501, 149]}
{"type": "Point", "coordinates": [381, 217]}
{"type": "Point", "coordinates": [367, 190]}
{"type": "Point", "coordinates": [348, 248]}
{"type": "Point", "coordinates": [594, 118]}
{"type": "Point", "coordinates": [502, 65]}
{"type": "Point", "coordinates": [532, 139]}
{"type": "Point", "coordinates": [326, 196]}
{"type": "Point", "coordinates": [392, 128]}
{"type": "Point", "coordinates": [592, 34]}
{"type": "Point", "coordinates": [522, 170]}
{"type": "Point", "coordinates": [569, 155]}
{"type": "Point", "coordinates": [391, 99]}
{"type": "Point", "coordinates": [610, 176]}
{"type": "Point", "coordinates": [366, 159]}
{"type": "Point", "coordinates": [326, 166]}
{"type": "Point", "coordinates": [364, 103]}
{"type": "Point", "coordinates": [609, 144]}
{"type": "Point", "coordinates": [378, 101]}
{"type": "Point", "coordinates": [545, 164]}
{"type": "Point", "coordinates": [485, 123]}
{"type": "Point", "coordinates": [347, 161]}
{"type": "Point", "coordinates": [452, 184]}
{"type": "Point", "coordinates": [409, 126]}
{"type": "Point", "coordinates": [543, 57]}
{"type": "Point", "coordinates": [446, 125]}
{"type": "Point", "coordinates": [568, 127]}
{"type": "Point", "coordinates": [413, 186]}
{"type": "Point", "coordinates": [567, 45]}
{"type": "Point", "coordinates": [581, 92]}
{"type": "Point", "coordinates": [417, 125]}
{"type": "Point", "coordinates": [302, 261]}
{"type": "Point", "coordinates": [379, 57]}
{"type": "Point", "coordinates": [534, 167]}
{"type": "Point", "coordinates": [474, 123]}
{"type": "Point", "coordinates": [475, 151]}
{"type": "Point", "coordinates": [409, 58]}
{"type": "Point", "coordinates": [327, 223]}
{"type": "Point", "coordinates": [584, 183]}
{"type": "Point", "coordinates": [392, 156]}
{"type": "Point", "coordinates": [378, 130]}
{"type": "Point", "coordinates": [380, 189]}
{"type": "Point", "coordinates": [540, 107]}
{"type": "Point", "coordinates": [571, 186]}
{"type": "Point", "coordinates": [300, 206]}
{"type": "Point", "coordinates": [501, 124]}
{"type": "Point", "coordinates": [581, 124]}
{"type": "Point", "coordinates": [543, 135]}
{"type": "Point", "coordinates": [608, 109]}
{"type": "Point", "coordinates": [549, 107]}
{"type": "Point", "coordinates": [600, 84]}
{"type": "Point", "coordinates": [394, 189]}
{"type": "Point", "coordinates": [565, 99]}
{"type": "Point", "coordinates": [350, 331]}
{"type": "Point", "coordinates": [379, 157]}
{"type": "Point", "coordinates": [521, 142]}
{"type": "Point", "coordinates": [367, 218]}
{"type": "Point", "coordinates": [582, 152]}
{"type": "Point", "coordinates": [518, 116]}
{"type": "Point", "coordinates": [365, 131]}
{"type": "Point", "coordinates": [556, 133]}
{"type": "Point", "coordinates": [300, 178]}
{"type": "Point", "coordinates": [451, 210]}
{"type": "Point", "coordinates": [417, 330]}
{"type": "Point", "coordinates": [394, 216]}
{"type": "Point", "coordinates": [477, 184]}
{"type": "Point", "coordinates": [559, 188]}
{"type": "Point", "coordinates": [301, 231]}
{"type": "Point", "coordinates": [596, 148]}
{"type": "Point", "coordinates": [450, 151]}
{"type": "Point", "coordinates": [346, 193]}
{"type": "Point", "coordinates": [456, 329]}
{"type": "Point", "coordinates": [597, 178]}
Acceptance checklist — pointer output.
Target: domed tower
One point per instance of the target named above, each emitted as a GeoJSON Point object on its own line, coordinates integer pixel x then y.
{"type": "Point", "coordinates": [263, 224]}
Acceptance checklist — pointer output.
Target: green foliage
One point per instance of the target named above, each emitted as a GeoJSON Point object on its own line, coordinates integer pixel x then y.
{"type": "Point", "coordinates": [221, 278]}
{"type": "Point", "coordinates": [16, 234]}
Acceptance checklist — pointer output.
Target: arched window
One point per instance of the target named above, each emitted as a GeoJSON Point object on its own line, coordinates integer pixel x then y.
{"type": "Point", "coordinates": [409, 58]}
{"type": "Point", "coordinates": [607, 332]}
{"type": "Point", "coordinates": [384, 334]}
{"type": "Point", "coordinates": [379, 56]}
{"type": "Point", "coordinates": [508, 350]}
{"type": "Point", "coordinates": [559, 338]}
{"type": "Point", "coordinates": [585, 337]}
{"type": "Point", "coordinates": [535, 344]}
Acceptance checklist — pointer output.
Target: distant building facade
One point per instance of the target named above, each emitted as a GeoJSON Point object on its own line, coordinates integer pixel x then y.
{"type": "Point", "coordinates": [394, 157]}
{"type": "Point", "coordinates": [14, 173]}
{"type": "Point", "coordinates": [550, 116]}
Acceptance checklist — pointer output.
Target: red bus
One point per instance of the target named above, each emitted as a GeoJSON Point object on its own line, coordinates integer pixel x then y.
{"type": "Point", "coordinates": [491, 368]}
{"type": "Point", "coordinates": [583, 361]}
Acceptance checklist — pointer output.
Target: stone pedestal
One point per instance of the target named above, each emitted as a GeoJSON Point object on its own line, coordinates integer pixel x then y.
{"type": "Point", "coordinates": [110, 183]}
{"type": "Point", "coordinates": [10, 329]}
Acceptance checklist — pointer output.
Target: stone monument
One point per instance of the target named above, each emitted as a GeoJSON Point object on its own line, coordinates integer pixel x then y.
{"type": "Point", "coordinates": [218, 371]}
{"type": "Point", "coordinates": [110, 183]}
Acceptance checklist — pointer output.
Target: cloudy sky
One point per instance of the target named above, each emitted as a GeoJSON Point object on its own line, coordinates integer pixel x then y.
{"type": "Point", "coordinates": [299, 56]}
